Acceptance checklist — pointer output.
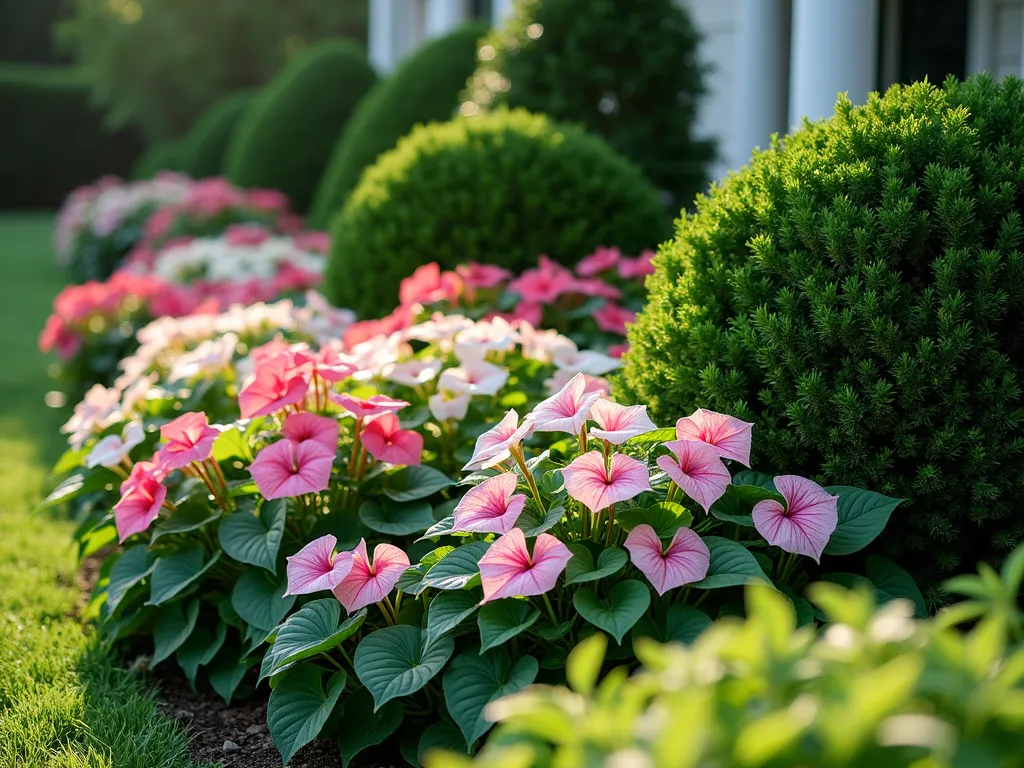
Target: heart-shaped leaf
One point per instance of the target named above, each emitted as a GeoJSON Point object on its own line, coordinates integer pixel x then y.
{"type": "Point", "coordinates": [627, 601]}
{"type": "Point", "coordinates": [684, 623]}
{"type": "Point", "coordinates": [732, 565]}
{"type": "Point", "coordinates": [750, 477]}
{"type": "Point", "coordinates": [533, 523]}
{"type": "Point", "coordinates": [255, 539]}
{"type": "Point", "coordinates": [231, 443]}
{"type": "Point", "coordinates": [260, 600]}
{"type": "Point", "coordinates": [411, 483]}
{"type": "Point", "coordinates": [665, 518]}
{"type": "Point", "coordinates": [186, 518]}
{"type": "Point", "coordinates": [172, 573]}
{"type": "Point", "coordinates": [398, 661]}
{"type": "Point", "coordinates": [200, 648]}
{"type": "Point", "coordinates": [441, 528]}
{"type": "Point", "coordinates": [315, 628]}
{"type": "Point", "coordinates": [895, 581]}
{"type": "Point", "coordinates": [299, 706]}
{"type": "Point", "coordinates": [458, 569]}
{"type": "Point", "coordinates": [226, 671]}
{"type": "Point", "coordinates": [172, 627]}
{"type": "Point", "coordinates": [437, 739]}
{"type": "Point", "coordinates": [473, 680]}
{"type": "Point", "coordinates": [448, 610]}
{"type": "Point", "coordinates": [362, 726]}
{"type": "Point", "coordinates": [730, 509]}
{"type": "Point", "coordinates": [502, 620]}
{"type": "Point", "coordinates": [131, 567]}
{"type": "Point", "coordinates": [751, 494]}
{"type": "Point", "coordinates": [862, 516]}
{"type": "Point", "coordinates": [395, 518]}
{"type": "Point", "coordinates": [582, 569]}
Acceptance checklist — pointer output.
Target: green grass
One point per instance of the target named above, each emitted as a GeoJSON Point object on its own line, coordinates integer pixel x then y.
{"type": "Point", "coordinates": [63, 703]}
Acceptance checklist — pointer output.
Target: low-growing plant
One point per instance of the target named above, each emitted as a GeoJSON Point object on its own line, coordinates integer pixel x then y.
{"type": "Point", "coordinates": [335, 469]}
{"type": "Point", "coordinates": [876, 688]}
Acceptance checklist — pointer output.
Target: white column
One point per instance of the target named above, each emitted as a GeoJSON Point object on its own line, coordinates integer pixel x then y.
{"type": "Point", "coordinates": [835, 49]}
{"type": "Point", "coordinates": [761, 77]}
{"type": "Point", "coordinates": [444, 15]}
{"type": "Point", "coordinates": [393, 28]}
{"type": "Point", "coordinates": [500, 10]}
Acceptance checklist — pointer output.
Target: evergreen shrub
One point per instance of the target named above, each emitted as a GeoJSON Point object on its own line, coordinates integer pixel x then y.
{"type": "Point", "coordinates": [858, 291]}
{"type": "Point", "coordinates": [625, 69]}
{"type": "Point", "coordinates": [171, 155]}
{"type": "Point", "coordinates": [500, 189]}
{"type": "Point", "coordinates": [209, 138]}
{"type": "Point", "coordinates": [424, 88]}
{"type": "Point", "coordinates": [286, 136]}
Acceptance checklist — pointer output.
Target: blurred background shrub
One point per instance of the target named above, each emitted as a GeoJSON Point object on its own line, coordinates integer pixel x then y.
{"type": "Point", "coordinates": [424, 88]}
{"type": "Point", "coordinates": [210, 136]}
{"type": "Point", "coordinates": [625, 69]}
{"type": "Point", "coordinates": [53, 140]}
{"type": "Point", "coordinates": [159, 64]}
{"type": "Point", "coordinates": [168, 155]}
{"type": "Point", "coordinates": [502, 189]}
{"type": "Point", "coordinates": [287, 134]}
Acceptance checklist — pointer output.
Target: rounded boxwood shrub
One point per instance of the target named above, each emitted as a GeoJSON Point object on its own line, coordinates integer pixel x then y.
{"type": "Point", "coordinates": [170, 155]}
{"type": "Point", "coordinates": [53, 139]}
{"type": "Point", "coordinates": [858, 292]}
{"type": "Point", "coordinates": [424, 88]}
{"type": "Point", "coordinates": [208, 140]}
{"type": "Point", "coordinates": [625, 69]}
{"type": "Point", "coordinates": [502, 189]}
{"type": "Point", "coordinates": [286, 136]}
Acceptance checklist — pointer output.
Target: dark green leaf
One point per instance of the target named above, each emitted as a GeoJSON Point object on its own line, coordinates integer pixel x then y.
{"type": "Point", "coordinates": [895, 581]}
{"type": "Point", "coordinates": [172, 573]}
{"type": "Point", "coordinates": [315, 628]}
{"type": "Point", "coordinates": [862, 516]}
{"type": "Point", "coordinates": [439, 738]}
{"type": "Point", "coordinates": [581, 568]}
{"type": "Point", "coordinates": [226, 671]}
{"type": "Point", "coordinates": [458, 569]}
{"type": "Point", "coordinates": [448, 610]}
{"type": "Point", "coordinates": [259, 598]}
{"type": "Point", "coordinates": [684, 623]}
{"type": "Point", "coordinates": [172, 627]}
{"type": "Point", "coordinates": [732, 565]}
{"type": "Point", "coordinates": [131, 567]}
{"type": "Point", "coordinates": [299, 706]}
{"type": "Point", "coordinates": [364, 726]}
{"type": "Point", "coordinates": [411, 483]}
{"type": "Point", "coordinates": [627, 601]}
{"type": "Point", "coordinates": [749, 477]}
{"type": "Point", "coordinates": [665, 518]}
{"type": "Point", "coordinates": [502, 620]}
{"type": "Point", "coordinates": [474, 680]}
{"type": "Point", "coordinates": [255, 539]}
{"type": "Point", "coordinates": [200, 648]}
{"type": "Point", "coordinates": [395, 518]}
{"type": "Point", "coordinates": [187, 517]}
{"type": "Point", "coordinates": [397, 661]}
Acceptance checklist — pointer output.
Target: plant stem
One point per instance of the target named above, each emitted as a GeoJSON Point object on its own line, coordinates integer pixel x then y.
{"type": "Point", "coordinates": [611, 524]}
{"type": "Point", "coordinates": [517, 454]}
{"type": "Point", "coordinates": [551, 610]}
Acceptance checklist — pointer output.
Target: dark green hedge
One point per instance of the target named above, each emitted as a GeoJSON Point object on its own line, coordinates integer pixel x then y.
{"type": "Point", "coordinates": [424, 88]}
{"type": "Point", "coordinates": [626, 69]}
{"type": "Point", "coordinates": [171, 155]}
{"type": "Point", "coordinates": [52, 138]}
{"type": "Point", "coordinates": [858, 292]}
{"type": "Point", "coordinates": [286, 136]}
{"type": "Point", "coordinates": [502, 188]}
{"type": "Point", "coordinates": [209, 138]}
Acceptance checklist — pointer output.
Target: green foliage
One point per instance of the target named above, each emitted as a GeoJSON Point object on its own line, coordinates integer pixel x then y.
{"type": "Point", "coordinates": [625, 69]}
{"type": "Point", "coordinates": [170, 155]}
{"type": "Point", "coordinates": [160, 65]}
{"type": "Point", "coordinates": [876, 688]}
{"type": "Point", "coordinates": [423, 89]}
{"type": "Point", "coordinates": [501, 189]}
{"type": "Point", "coordinates": [857, 291]}
{"type": "Point", "coordinates": [209, 138]}
{"type": "Point", "coordinates": [54, 139]}
{"type": "Point", "coordinates": [286, 136]}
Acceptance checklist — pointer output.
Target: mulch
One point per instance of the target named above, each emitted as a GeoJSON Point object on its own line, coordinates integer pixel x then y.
{"type": "Point", "coordinates": [237, 736]}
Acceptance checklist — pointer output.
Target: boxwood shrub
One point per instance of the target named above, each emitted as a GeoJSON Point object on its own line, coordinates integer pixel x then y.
{"type": "Point", "coordinates": [625, 69]}
{"type": "Point", "coordinates": [209, 138]}
{"type": "Point", "coordinates": [502, 188]}
{"type": "Point", "coordinates": [423, 89]}
{"type": "Point", "coordinates": [287, 134]}
{"type": "Point", "coordinates": [858, 291]}
{"type": "Point", "coordinates": [52, 137]}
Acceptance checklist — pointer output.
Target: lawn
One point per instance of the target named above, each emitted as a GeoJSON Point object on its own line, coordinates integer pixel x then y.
{"type": "Point", "coordinates": [62, 702]}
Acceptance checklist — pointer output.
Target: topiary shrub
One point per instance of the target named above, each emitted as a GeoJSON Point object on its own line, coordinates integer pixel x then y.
{"type": "Point", "coordinates": [501, 189]}
{"type": "Point", "coordinates": [858, 291]}
{"type": "Point", "coordinates": [52, 137]}
{"type": "Point", "coordinates": [626, 69]}
{"type": "Point", "coordinates": [425, 88]}
{"type": "Point", "coordinates": [286, 136]}
{"type": "Point", "coordinates": [171, 155]}
{"type": "Point", "coordinates": [208, 140]}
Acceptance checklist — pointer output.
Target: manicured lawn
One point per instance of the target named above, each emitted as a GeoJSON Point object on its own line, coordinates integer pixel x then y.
{"type": "Point", "coordinates": [62, 702]}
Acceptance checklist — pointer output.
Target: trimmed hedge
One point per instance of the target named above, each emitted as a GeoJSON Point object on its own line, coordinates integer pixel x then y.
{"type": "Point", "coordinates": [858, 292]}
{"type": "Point", "coordinates": [53, 139]}
{"type": "Point", "coordinates": [501, 188]}
{"type": "Point", "coordinates": [209, 138]}
{"type": "Point", "coordinates": [424, 88]}
{"type": "Point", "coordinates": [626, 69]}
{"type": "Point", "coordinates": [286, 136]}
{"type": "Point", "coordinates": [171, 155]}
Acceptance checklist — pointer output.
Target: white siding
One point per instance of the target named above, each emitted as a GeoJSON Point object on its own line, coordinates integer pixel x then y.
{"type": "Point", "coordinates": [716, 21]}
{"type": "Point", "coordinates": [996, 37]}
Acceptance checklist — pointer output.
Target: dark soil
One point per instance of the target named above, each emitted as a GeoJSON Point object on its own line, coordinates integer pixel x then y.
{"type": "Point", "coordinates": [212, 725]}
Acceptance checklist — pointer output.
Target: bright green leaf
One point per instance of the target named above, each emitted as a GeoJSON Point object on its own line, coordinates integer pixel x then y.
{"type": "Point", "coordinates": [583, 666]}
